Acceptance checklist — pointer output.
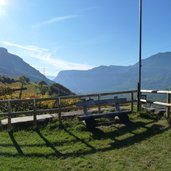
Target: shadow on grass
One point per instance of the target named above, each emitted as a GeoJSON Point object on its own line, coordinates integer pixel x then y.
{"type": "Point", "coordinates": [138, 137]}
{"type": "Point", "coordinates": [79, 139]}
{"type": "Point", "coordinates": [148, 132]}
{"type": "Point", "coordinates": [119, 131]}
{"type": "Point", "coordinates": [150, 129]}
{"type": "Point", "coordinates": [48, 143]}
{"type": "Point", "coordinates": [99, 134]}
{"type": "Point", "coordinates": [16, 145]}
{"type": "Point", "coordinates": [152, 116]}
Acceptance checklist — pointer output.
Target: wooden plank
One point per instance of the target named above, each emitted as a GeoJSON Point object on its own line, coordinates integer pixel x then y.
{"type": "Point", "coordinates": [59, 112]}
{"type": "Point", "coordinates": [143, 100]}
{"type": "Point", "coordinates": [119, 92]}
{"type": "Point", "coordinates": [146, 101]}
{"type": "Point", "coordinates": [168, 108]}
{"type": "Point", "coordinates": [150, 109]}
{"type": "Point", "coordinates": [117, 104]}
{"type": "Point", "coordinates": [41, 111]}
{"type": "Point", "coordinates": [132, 101]}
{"type": "Point", "coordinates": [101, 94]}
{"type": "Point", "coordinates": [73, 96]}
{"type": "Point", "coordinates": [156, 102]}
{"type": "Point", "coordinates": [148, 91]}
{"type": "Point", "coordinates": [86, 103]}
{"type": "Point", "coordinates": [164, 92]}
{"type": "Point", "coordinates": [156, 91]}
{"type": "Point", "coordinates": [112, 101]}
{"type": "Point", "coordinates": [99, 106]}
{"type": "Point", "coordinates": [91, 103]}
{"type": "Point", "coordinates": [9, 115]}
{"type": "Point", "coordinates": [34, 113]}
{"type": "Point", "coordinates": [25, 119]}
{"type": "Point", "coordinates": [163, 104]}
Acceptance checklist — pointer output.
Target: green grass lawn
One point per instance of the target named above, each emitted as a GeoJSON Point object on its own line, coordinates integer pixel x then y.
{"type": "Point", "coordinates": [143, 145]}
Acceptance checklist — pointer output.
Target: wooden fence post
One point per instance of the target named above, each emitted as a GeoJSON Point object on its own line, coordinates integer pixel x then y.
{"type": "Point", "coordinates": [168, 109]}
{"type": "Point", "coordinates": [132, 101]}
{"type": "Point", "coordinates": [99, 106]}
{"type": "Point", "coordinates": [9, 115]}
{"type": "Point", "coordinates": [59, 112]}
{"type": "Point", "coordinates": [34, 114]}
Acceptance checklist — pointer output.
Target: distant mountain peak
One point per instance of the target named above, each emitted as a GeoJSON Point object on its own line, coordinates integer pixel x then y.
{"type": "Point", "coordinates": [13, 66]}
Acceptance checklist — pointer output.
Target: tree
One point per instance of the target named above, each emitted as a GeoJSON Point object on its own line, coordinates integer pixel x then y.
{"type": "Point", "coordinates": [43, 87]}
{"type": "Point", "coordinates": [5, 80]}
{"type": "Point", "coordinates": [59, 89]}
{"type": "Point", "coordinates": [23, 80]}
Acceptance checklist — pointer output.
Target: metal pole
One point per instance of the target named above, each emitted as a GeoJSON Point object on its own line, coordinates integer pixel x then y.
{"type": "Point", "coordinates": [140, 52]}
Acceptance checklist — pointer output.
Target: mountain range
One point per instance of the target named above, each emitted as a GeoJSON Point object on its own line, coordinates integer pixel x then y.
{"type": "Point", "coordinates": [13, 66]}
{"type": "Point", "coordinates": [156, 74]}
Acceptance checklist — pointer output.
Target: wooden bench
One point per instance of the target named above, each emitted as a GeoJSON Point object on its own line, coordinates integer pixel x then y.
{"type": "Point", "coordinates": [89, 118]}
{"type": "Point", "coordinates": [158, 111]}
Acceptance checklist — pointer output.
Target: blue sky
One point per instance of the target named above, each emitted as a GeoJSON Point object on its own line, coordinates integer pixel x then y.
{"type": "Point", "coordinates": [55, 35]}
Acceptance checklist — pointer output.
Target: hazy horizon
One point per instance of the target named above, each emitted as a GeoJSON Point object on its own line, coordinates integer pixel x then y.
{"type": "Point", "coordinates": [69, 34]}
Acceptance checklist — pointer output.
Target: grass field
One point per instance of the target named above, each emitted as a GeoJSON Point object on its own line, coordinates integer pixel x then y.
{"type": "Point", "coordinates": [32, 91]}
{"type": "Point", "coordinates": [143, 145]}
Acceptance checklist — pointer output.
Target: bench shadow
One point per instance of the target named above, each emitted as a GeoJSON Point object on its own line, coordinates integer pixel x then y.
{"type": "Point", "coordinates": [152, 115]}
{"type": "Point", "coordinates": [149, 132]}
{"type": "Point", "coordinates": [139, 137]}
{"type": "Point", "coordinates": [100, 134]}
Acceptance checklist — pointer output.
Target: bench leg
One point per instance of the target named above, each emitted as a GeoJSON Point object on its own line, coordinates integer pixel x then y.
{"type": "Point", "coordinates": [124, 119]}
{"type": "Point", "coordinates": [90, 123]}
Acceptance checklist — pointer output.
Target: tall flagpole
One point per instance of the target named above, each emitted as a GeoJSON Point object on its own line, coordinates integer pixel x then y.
{"type": "Point", "coordinates": [140, 52]}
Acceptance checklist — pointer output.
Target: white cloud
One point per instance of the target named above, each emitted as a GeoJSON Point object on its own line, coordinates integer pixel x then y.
{"type": "Point", "coordinates": [46, 56]}
{"type": "Point", "coordinates": [55, 20]}
{"type": "Point", "coordinates": [28, 47]}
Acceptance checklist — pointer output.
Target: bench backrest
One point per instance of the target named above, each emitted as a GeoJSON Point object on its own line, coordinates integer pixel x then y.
{"type": "Point", "coordinates": [91, 102]}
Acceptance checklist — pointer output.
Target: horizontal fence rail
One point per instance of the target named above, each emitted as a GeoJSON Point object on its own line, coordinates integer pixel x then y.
{"type": "Point", "coordinates": [156, 91]}
{"type": "Point", "coordinates": [166, 104]}
{"type": "Point", "coordinates": [35, 106]}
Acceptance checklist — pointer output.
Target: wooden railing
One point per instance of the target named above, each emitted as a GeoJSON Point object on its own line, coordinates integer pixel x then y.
{"type": "Point", "coordinates": [166, 104]}
{"type": "Point", "coordinates": [11, 107]}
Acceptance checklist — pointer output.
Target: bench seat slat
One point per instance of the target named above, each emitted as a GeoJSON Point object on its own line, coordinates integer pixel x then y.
{"type": "Point", "coordinates": [100, 115]}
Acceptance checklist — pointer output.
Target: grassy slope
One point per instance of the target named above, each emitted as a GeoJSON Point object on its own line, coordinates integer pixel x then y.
{"type": "Point", "coordinates": [30, 92]}
{"type": "Point", "coordinates": [144, 145]}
